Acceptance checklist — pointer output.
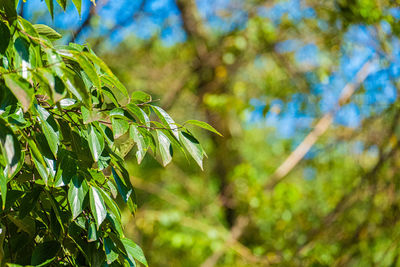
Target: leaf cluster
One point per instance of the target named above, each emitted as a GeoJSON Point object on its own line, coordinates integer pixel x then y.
{"type": "Point", "coordinates": [64, 132]}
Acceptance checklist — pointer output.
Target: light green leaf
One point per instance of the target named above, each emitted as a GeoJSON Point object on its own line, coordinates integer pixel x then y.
{"type": "Point", "coordinates": [119, 126]}
{"type": "Point", "coordinates": [78, 4]}
{"type": "Point", "coordinates": [50, 6]}
{"type": "Point", "coordinates": [97, 205]}
{"type": "Point", "coordinates": [96, 142]}
{"type": "Point", "coordinates": [110, 203]}
{"type": "Point", "coordinates": [77, 191]}
{"type": "Point", "coordinates": [76, 86]}
{"type": "Point", "coordinates": [89, 69]}
{"type": "Point", "coordinates": [46, 31]}
{"type": "Point", "coordinates": [62, 3]}
{"type": "Point", "coordinates": [10, 148]}
{"type": "Point", "coordinates": [110, 77]}
{"type": "Point", "coordinates": [50, 129]}
{"type": "Point", "coordinates": [167, 120]}
{"type": "Point", "coordinates": [139, 114]}
{"type": "Point", "coordinates": [21, 89]}
{"type": "Point", "coordinates": [203, 125]}
{"type": "Point", "coordinates": [141, 97]}
{"type": "Point", "coordinates": [164, 147]}
{"type": "Point", "coordinates": [140, 143]}
{"type": "Point", "coordinates": [193, 147]}
{"type": "Point", "coordinates": [134, 251]}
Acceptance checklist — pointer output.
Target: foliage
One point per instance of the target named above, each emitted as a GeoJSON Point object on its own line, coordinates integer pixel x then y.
{"type": "Point", "coordinates": [63, 137]}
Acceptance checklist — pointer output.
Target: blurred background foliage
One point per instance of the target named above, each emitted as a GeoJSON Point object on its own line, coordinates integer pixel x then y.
{"type": "Point", "coordinates": [265, 74]}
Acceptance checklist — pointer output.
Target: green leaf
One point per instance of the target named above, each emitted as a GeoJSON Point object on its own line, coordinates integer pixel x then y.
{"type": "Point", "coordinates": [92, 232]}
{"type": "Point", "coordinates": [50, 6]}
{"type": "Point", "coordinates": [139, 114]}
{"type": "Point", "coordinates": [113, 207]}
{"type": "Point", "coordinates": [96, 142]}
{"type": "Point", "coordinates": [134, 251]}
{"type": "Point", "coordinates": [28, 28]}
{"type": "Point", "coordinates": [62, 3]}
{"type": "Point", "coordinates": [45, 253]}
{"type": "Point", "coordinates": [78, 4]}
{"type": "Point", "coordinates": [29, 201]}
{"type": "Point", "coordinates": [10, 148]}
{"type": "Point", "coordinates": [47, 32]}
{"type": "Point", "coordinates": [66, 169]}
{"type": "Point", "coordinates": [110, 77]}
{"type": "Point", "coordinates": [119, 126]}
{"type": "Point", "coordinates": [193, 147]}
{"type": "Point", "coordinates": [21, 89]}
{"type": "Point", "coordinates": [38, 160]}
{"type": "Point", "coordinates": [141, 97]}
{"type": "Point", "coordinates": [124, 187]}
{"type": "Point", "coordinates": [140, 143]}
{"type": "Point", "coordinates": [203, 125]}
{"type": "Point", "coordinates": [77, 191]}
{"type": "Point", "coordinates": [110, 249]}
{"type": "Point", "coordinates": [10, 9]}
{"type": "Point", "coordinates": [50, 129]}
{"type": "Point", "coordinates": [3, 188]}
{"type": "Point", "coordinates": [4, 37]}
{"type": "Point", "coordinates": [76, 86]}
{"type": "Point", "coordinates": [89, 69]}
{"type": "Point", "coordinates": [164, 147]}
{"type": "Point", "coordinates": [97, 205]}
{"type": "Point", "coordinates": [167, 120]}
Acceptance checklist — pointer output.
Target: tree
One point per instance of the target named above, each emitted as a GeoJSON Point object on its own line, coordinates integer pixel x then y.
{"type": "Point", "coordinates": [66, 123]}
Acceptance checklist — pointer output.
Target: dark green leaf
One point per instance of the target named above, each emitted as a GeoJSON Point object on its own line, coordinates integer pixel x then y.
{"type": "Point", "coordinates": [29, 201]}
{"type": "Point", "coordinates": [110, 249]}
{"type": "Point", "coordinates": [3, 188]}
{"type": "Point", "coordinates": [4, 37]}
{"type": "Point", "coordinates": [92, 232]}
{"type": "Point", "coordinates": [78, 189]}
{"type": "Point", "coordinates": [124, 189]}
{"type": "Point", "coordinates": [97, 205]}
{"type": "Point", "coordinates": [45, 253]}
